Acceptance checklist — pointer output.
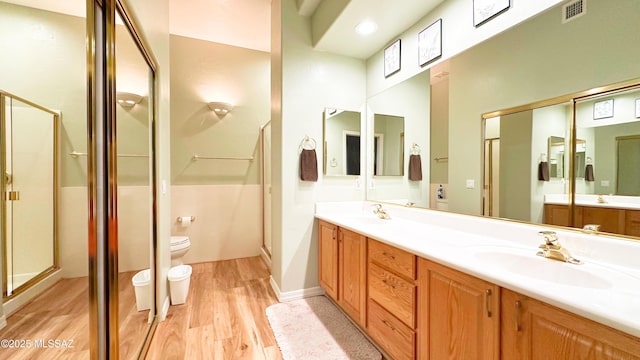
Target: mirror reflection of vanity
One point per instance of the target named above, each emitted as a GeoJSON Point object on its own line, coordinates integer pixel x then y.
{"type": "Point", "coordinates": [485, 79]}
{"type": "Point", "coordinates": [602, 188]}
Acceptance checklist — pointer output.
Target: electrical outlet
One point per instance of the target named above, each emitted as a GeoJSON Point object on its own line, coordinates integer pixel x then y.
{"type": "Point", "coordinates": [604, 183]}
{"type": "Point", "coordinates": [471, 184]}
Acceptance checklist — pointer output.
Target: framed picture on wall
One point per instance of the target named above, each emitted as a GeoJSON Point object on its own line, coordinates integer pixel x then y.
{"type": "Point", "coordinates": [430, 43]}
{"type": "Point", "coordinates": [638, 108]}
{"type": "Point", "coordinates": [392, 58]}
{"type": "Point", "coordinates": [485, 10]}
{"type": "Point", "coordinates": [603, 109]}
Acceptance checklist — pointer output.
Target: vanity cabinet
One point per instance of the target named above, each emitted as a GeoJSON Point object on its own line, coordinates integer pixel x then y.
{"type": "Point", "coordinates": [611, 220]}
{"type": "Point", "coordinates": [458, 315]}
{"type": "Point", "coordinates": [352, 274]}
{"type": "Point", "coordinates": [342, 268]}
{"type": "Point", "coordinates": [392, 299]}
{"type": "Point", "coordinates": [416, 308]}
{"type": "Point", "coordinates": [534, 330]}
{"type": "Point", "coordinates": [328, 258]}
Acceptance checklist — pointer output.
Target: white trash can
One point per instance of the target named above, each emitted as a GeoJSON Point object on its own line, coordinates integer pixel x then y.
{"type": "Point", "coordinates": [142, 285]}
{"type": "Point", "coordinates": [179, 278]}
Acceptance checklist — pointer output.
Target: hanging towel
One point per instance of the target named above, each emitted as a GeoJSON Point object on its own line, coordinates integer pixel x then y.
{"type": "Point", "coordinates": [415, 168]}
{"type": "Point", "coordinates": [308, 165]}
{"type": "Point", "coordinates": [588, 173]}
{"type": "Point", "coordinates": [543, 171]}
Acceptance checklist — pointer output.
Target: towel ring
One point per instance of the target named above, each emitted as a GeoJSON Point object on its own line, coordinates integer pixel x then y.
{"type": "Point", "coordinates": [308, 143]}
{"type": "Point", "coordinates": [415, 149]}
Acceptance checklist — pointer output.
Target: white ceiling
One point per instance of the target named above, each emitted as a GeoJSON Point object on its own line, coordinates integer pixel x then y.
{"type": "Point", "coordinates": [247, 23]}
{"type": "Point", "coordinates": [392, 18]}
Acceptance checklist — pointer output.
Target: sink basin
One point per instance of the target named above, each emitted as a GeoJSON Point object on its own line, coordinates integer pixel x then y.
{"type": "Point", "coordinates": [542, 269]}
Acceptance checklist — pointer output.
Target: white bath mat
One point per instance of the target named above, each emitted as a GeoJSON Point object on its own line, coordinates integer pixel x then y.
{"type": "Point", "coordinates": [313, 328]}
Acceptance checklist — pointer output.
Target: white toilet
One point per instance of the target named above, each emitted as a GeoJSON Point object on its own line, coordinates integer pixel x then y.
{"type": "Point", "coordinates": [179, 246]}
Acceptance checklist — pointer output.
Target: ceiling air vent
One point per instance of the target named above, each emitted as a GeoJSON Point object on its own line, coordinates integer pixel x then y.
{"type": "Point", "coordinates": [573, 10]}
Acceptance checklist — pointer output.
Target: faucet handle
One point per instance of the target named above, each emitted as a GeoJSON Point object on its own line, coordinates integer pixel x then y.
{"type": "Point", "coordinates": [550, 238]}
{"type": "Point", "coordinates": [378, 206]}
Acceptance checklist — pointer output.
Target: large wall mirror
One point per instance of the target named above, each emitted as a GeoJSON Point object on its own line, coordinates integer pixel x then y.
{"type": "Point", "coordinates": [135, 129]}
{"type": "Point", "coordinates": [342, 142]}
{"type": "Point", "coordinates": [537, 126]}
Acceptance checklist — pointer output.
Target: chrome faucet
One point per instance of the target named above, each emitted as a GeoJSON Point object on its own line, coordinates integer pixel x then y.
{"type": "Point", "coordinates": [380, 212]}
{"type": "Point", "coordinates": [552, 249]}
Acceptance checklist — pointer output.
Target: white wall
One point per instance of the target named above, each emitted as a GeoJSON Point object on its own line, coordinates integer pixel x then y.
{"type": "Point", "coordinates": [458, 35]}
{"type": "Point", "coordinates": [304, 82]}
{"type": "Point", "coordinates": [228, 220]}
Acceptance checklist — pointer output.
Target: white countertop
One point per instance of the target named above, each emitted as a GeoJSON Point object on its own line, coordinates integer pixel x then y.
{"type": "Point", "coordinates": [610, 201]}
{"type": "Point", "coordinates": [606, 288]}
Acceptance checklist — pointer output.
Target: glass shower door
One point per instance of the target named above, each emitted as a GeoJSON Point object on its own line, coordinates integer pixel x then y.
{"type": "Point", "coordinates": [29, 166]}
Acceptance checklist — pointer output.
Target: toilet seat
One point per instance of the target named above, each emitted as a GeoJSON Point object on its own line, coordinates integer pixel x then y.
{"type": "Point", "coordinates": [179, 243]}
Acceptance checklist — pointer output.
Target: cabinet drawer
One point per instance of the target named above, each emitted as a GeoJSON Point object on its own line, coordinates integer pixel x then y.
{"type": "Point", "coordinates": [393, 293]}
{"type": "Point", "coordinates": [395, 337]}
{"type": "Point", "coordinates": [400, 261]}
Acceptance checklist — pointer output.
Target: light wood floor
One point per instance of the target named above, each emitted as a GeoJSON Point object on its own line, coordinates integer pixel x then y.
{"type": "Point", "coordinates": [62, 313]}
{"type": "Point", "coordinates": [224, 316]}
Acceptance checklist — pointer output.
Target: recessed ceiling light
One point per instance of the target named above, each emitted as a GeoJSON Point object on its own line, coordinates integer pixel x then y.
{"type": "Point", "coordinates": [366, 27]}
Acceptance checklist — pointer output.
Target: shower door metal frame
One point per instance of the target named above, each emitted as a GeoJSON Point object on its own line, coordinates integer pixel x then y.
{"type": "Point", "coordinates": [3, 200]}
{"type": "Point", "coordinates": [102, 174]}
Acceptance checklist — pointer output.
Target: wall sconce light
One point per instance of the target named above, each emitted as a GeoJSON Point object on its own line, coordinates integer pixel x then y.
{"type": "Point", "coordinates": [127, 100]}
{"type": "Point", "coordinates": [220, 108]}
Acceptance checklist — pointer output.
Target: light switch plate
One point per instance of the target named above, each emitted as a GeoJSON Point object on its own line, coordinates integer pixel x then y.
{"type": "Point", "coordinates": [471, 184]}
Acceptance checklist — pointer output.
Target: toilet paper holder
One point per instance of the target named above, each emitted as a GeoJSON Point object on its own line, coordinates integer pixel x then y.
{"type": "Point", "coordinates": [191, 219]}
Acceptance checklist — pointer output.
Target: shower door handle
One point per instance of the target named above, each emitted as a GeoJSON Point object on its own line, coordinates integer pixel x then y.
{"type": "Point", "coordinates": [13, 195]}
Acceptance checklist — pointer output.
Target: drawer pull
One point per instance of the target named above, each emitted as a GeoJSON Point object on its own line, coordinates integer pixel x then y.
{"type": "Point", "coordinates": [518, 307]}
{"type": "Point", "coordinates": [390, 256]}
{"type": "Point", "coordinates": [487, 302]}
{"type": "Point", "coordinates": [388, 325]}
{"type": "Point", "coordinates": [386, 282]}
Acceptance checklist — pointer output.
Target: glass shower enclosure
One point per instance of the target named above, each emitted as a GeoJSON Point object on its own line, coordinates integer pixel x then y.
{"type": "Point", "coordinates": [28, 134]}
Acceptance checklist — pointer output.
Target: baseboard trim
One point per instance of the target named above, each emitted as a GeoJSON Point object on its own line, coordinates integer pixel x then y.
{"type": "Point", "coordinates": [296, 294]}
{"type": "Point", "coordinates": [165, 309]}
{"type": "Point", "coordinates": [3, 321]}
{"type": "Point", "coordinates": [265, 256]}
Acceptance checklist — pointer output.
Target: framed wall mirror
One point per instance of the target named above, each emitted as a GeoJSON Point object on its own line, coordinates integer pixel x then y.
{"type": "Point", "coordinates": [135, 134]}
{"type": "Point", "coordinates": [602, 188]}
{"type": "Point", "coordinates": [342, 142]}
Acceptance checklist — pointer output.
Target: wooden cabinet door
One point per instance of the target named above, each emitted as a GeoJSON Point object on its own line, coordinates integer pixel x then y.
{"type": "Point", "coordinates": [458, 315]}
{"type": "Point", "coordinates": [535, 330]}
{"type": "Point", "coordinates": [556, 214]}
{"type": "Point", "coordinates": [610, 220]}
{"type": "Point", "coordinates": [352, 274]}
{"type": "Point", "coordinates": [328, 258]}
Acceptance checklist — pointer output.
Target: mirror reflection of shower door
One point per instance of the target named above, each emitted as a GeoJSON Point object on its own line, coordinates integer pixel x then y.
{"type": "Point", "coordinates": [492, 177]}
{"type": "Point", "coordinates": [29, 192]}
{"type": "Point", "coordinates": [266, 187]}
